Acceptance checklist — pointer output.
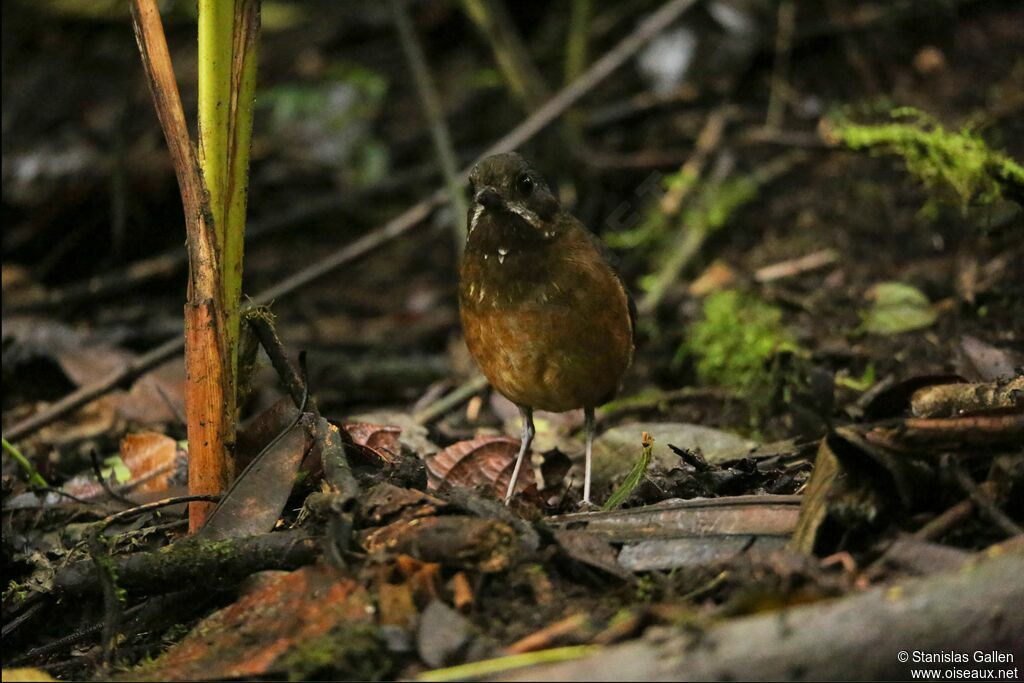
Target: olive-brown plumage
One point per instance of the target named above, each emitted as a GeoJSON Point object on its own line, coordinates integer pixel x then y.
{"type": "Point", "coordinates": [544, 314]}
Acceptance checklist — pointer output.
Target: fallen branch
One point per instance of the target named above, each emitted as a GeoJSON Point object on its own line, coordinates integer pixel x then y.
{"type": "Point", "coordinates": [214, 563]}
{"type": "Point", "coordinates": [963, 611]}
{"type": "Point", "coordinates": [950, 400]}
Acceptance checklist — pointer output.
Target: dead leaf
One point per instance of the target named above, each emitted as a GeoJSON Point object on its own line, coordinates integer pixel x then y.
{"type": "Point", "coordinates": [718, 275]}
{"type": "Point", "coordinates": [255, 500]}
{"type": "Point", "coordinates": [152, 458]}
{"type": "Point", "coordinates": [412, 436]}
{"type": "Point", "coordinates": [151, 461]}
{"type": "Point", "coordinates": [275, 628]}
{"type": "Point", "coordinates": [84, 357]}
{"type": "Point", "coordinates": [377, 443]}
{"type": "Point", "coordinates": [986, 363]}
{"type": "Point", "coordinates": [384, 503]}
{"type": "Point", "coordinates": [484, 461]}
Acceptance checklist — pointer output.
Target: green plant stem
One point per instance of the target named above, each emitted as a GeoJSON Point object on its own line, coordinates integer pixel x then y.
{"type": "Point", "coordinates": [34, 478]}
{"type": "Point", "coordinates": [498, 665]}
{"type": "Point", "coordinates": [634, 477]}
{"type": "Point", "coordinates": [243, 87]}
{"type": "Point", "coordinates": [216, 23]}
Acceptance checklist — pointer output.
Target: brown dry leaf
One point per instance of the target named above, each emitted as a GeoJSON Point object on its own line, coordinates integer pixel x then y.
{"type": "Point", "coordinates": [156, 397]}
{"type": "Point", "coordinates": [285, 615]}
{"type": "Point", "coordinates": [88, 357]}
{"type": "Point", "coordinates": [377, 443]}
{"type": "Point", "coordinates": [482, 461]}
{"type": "Point", "coordinates": [983, 362]}
{"type": "Point", "coordinates": [152, 460]}
{"type": "Point", "coordinates": [255, 500]}
{"type": "Point", "coordinates": [152, 457]}
{"type": "Point", "coordinates": [385, 503]}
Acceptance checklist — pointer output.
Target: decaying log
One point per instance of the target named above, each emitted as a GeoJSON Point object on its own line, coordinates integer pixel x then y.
{"type": "Point", "coordinates": [485, 545]}
{"type": "Point", "coordinates": [977, 608]}
{"type": "Point", "coordinates": [950, 400]}
{"type": "Point", "coordinates": [215, 563]}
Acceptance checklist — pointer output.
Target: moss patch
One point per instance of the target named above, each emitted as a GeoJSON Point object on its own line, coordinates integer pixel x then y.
{"type": "Point", "coordinates": [956, 164]}
{"type": "Point", "coordinates": [736, 342]}
{"type": "Point", "coordinates": [350, 651]}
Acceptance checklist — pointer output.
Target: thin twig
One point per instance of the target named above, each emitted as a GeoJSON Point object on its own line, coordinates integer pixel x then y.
{"type": "Point", "coordinates": [693, 238]}
{"type": "Point", "coordinates": [521, 75]}
{"type": "Point", "coordinates": [427, 91]}
{"type": "Point", "coordinates": [943, 523]}
{"type": "Point", "coordinates": [156, 505]}
{"type": "Point", "coordinates": [796, 266]}
{"type": "Point", "coordinates": [453, 399]}
{"type": "Point", "coordinates": [401, 224]}
{"type": "Point", "coordinates": [261, 321]}
{"type": "Point", "coordinates": [95, 459]}
{"type": "Point", "coordinates": [984, 502]}
{"type": "Point", "coordinates": [780, 69]}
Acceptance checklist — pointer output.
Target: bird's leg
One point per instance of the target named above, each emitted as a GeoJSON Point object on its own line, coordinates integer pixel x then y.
{"type": "Point", "coordinates": [524, 447]}
{"type": "Point", "coordinates": [588, 425]}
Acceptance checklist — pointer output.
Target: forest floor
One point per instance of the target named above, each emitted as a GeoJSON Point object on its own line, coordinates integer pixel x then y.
{"type": "Point", "coordinates": [826, 396]}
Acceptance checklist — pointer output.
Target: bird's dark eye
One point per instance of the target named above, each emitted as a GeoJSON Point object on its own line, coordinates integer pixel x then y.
{"type": "Point", "coordinates": [524, 184]}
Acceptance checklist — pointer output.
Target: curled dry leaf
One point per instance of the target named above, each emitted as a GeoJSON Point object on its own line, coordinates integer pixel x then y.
{"type": "Point", "coordinates": [149, 459]}
{"type": "Point", "coordinates": [482, 461]}
{"type": "Point", "coordinates": [377, 443]}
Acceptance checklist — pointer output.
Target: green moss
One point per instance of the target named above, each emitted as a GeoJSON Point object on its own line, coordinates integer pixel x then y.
{"type": "Point", "coordinates": [352, 652]}
{"type": "Point", "coordinates": [736, 342]}
{"type": "Point", "coordinates": [712, 206]}
{"type": "Point", "coordinates": [949, 163]}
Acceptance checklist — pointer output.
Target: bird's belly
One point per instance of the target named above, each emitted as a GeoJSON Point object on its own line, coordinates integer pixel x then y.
{"type": "Point", "coordinates": [553, 358]}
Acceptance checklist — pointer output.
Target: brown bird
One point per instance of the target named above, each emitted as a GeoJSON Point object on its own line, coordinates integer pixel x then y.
{"type": "Point", "coordinates": [544, 314]}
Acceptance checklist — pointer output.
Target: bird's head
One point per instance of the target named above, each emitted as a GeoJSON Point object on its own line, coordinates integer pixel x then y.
{"type": "Point", "coordinates": [507, 192]}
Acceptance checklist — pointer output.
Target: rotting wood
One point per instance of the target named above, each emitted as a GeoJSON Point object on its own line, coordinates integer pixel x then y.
{"type": "Point", "coordinates": [950, 400]}
{"type": "Point", "coordinates": [973, 609]}
{"type": "Point", "coordinates": [214, 563]}
{"type": "Point", "coordinates": [486, 545]}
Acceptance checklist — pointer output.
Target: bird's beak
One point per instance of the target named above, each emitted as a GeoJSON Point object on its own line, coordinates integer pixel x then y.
{"type": "Point", "coordinates": [489, 198]}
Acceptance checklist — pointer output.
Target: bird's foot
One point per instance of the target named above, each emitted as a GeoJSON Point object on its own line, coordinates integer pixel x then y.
{"type": "Point", "coordinates": [587, 506]}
